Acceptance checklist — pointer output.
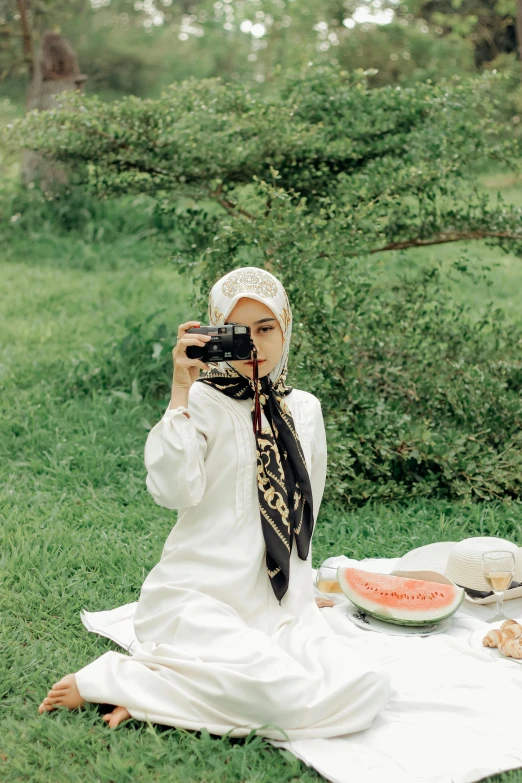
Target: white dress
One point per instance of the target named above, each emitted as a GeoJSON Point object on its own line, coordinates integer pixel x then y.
{"type": "Point", "coordinates": [216, 649]}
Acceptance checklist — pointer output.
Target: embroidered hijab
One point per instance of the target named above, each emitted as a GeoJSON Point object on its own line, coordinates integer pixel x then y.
{"type": "Point", "coordinates": [284, 491]}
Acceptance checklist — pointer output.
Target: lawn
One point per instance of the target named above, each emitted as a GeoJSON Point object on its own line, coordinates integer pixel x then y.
{"type": "Point", "coordinates": [79, 529]}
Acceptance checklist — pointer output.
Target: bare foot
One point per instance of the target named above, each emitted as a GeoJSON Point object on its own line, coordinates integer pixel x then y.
{"type": "Point", "coordinates": [115, 717]}
{"type": "Point", "coordinates": [63, 694]}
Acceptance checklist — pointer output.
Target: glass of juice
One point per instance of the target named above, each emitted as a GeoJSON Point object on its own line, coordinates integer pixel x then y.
{"type": "Point", "coordinates": [498, 568]}
{"type": "Point", "coordinates": [326, 580]}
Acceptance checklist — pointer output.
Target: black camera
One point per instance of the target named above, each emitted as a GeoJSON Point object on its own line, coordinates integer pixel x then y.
{"type": "Point", "coordinates": [230, 342]}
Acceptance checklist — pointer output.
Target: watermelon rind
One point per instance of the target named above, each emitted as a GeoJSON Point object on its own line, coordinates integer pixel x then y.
{"type": "Point", "coordinates": [363, 605]}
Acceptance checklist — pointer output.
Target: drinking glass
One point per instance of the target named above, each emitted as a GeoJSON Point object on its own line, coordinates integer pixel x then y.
{"type": "Point", "coordinates": [326, 580]}
{"type": "Point", "coordinates": [498, 568]}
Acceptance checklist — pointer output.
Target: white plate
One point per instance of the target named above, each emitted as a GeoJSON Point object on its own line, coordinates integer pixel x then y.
{"type": "Point", "coordinates": [370, 623]}
{"type": "Point", "coordinates": [515, 592]}
{"type": "Point", "coordinates": [493, 652]}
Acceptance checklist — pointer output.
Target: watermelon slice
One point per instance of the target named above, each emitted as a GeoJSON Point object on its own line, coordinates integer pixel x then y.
{"type": "Point", "coordinates": [397, 599]}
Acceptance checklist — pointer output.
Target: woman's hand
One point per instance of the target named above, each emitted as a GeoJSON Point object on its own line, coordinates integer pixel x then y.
{"type": "Point", "coordinates": [186, 370]}
{"type": "Point", "coordinates": [323, 602]}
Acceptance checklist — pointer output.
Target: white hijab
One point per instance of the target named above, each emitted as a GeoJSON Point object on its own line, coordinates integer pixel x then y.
{"type": "Point", "coordinates": [250, 282]}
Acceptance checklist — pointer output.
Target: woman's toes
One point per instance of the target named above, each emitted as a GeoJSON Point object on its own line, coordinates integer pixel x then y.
{"type": "Point", "coordinates": [120, 714]}
{"type": "Point", "coordinates": [59, 693]}
{"type": "Point", "coordinates": [46, 706]}
{"type": "Point", "coordinates": [64, 693]}
{"type": "Point", "coordinates": [115, 717]}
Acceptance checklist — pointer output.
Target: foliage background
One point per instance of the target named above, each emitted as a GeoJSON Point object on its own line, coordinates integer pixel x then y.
{"type": "Point", "coordinates": [422, 397]}
{"type": "Point", "coordinates": [141, 47]}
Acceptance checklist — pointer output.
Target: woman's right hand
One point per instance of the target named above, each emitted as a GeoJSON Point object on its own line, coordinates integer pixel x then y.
{"type": "Point", "coordinates": [186, 370]}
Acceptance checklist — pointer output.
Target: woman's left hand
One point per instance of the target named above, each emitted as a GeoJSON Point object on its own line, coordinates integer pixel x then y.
{"type": "Point", "coordinates": [323, 602]}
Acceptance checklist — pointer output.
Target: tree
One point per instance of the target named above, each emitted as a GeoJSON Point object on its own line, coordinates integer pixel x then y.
{"type": "Point", "coordinates": [51, 66]}
{"type": "Point", "coordinates": [141, 47]}
{"type": "Point", "coordinates": [55, 71]}
{"type": "Point", "coordinates": [314, 183]}
{"type": "Point", "coordinates": [22, 25]}
{"type": "Point", "coordinates": [489, 24]}
{"type": "Point", "coordinates": [519, 29]}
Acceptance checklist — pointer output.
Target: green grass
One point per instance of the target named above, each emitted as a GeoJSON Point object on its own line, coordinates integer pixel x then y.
{"type": "Point", "coordinates": [80, 530]}
{"type": "Point", "coordinates": [78, 526]}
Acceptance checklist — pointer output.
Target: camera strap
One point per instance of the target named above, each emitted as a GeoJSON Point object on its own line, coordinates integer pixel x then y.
{"type": "Point", "coordinates": [257, 406]}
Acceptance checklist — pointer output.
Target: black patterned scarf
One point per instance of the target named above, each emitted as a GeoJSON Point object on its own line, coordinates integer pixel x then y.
{"type": "Point", "coordinates": [283, 483]}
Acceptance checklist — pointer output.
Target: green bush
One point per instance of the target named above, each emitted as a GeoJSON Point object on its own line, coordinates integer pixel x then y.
{"type": "Point", "coordinates": [421, 396]}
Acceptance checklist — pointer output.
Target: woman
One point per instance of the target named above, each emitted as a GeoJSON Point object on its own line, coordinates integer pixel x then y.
{"type": "Point", "coordinates": [230, 636]}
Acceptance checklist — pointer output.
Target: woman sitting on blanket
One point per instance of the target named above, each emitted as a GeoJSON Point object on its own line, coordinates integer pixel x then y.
{"type": "Point", "coordinates": [230, 635]}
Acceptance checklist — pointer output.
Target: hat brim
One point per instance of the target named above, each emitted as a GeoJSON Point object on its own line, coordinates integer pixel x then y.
{"type": "Point", "coordinates": [431, 557]}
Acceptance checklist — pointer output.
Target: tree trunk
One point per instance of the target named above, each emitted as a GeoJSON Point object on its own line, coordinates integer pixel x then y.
{"type": "Point", "coordinates": [26, 37]}
{"type": "Point", "coordinates": [519, 29]}
{"type": "Point", "coordinates": [49, 82]}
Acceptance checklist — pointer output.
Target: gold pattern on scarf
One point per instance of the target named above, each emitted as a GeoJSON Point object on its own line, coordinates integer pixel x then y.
{"type": "Point", "coordinates": [294, 433]}
{"type": "Point", "coordinates": [284, 320]}
{"type": "Point", "coordinates": [274, 527]}
{"type": "Point", "coordinates": [214, 316]}
{"type": "Point", "coordinates": [215, 372]}
{"type": "Point", "coordinates": [257, 282]}
{"type": "Point", "coordinates": [268, 456]}
{"type": "Point", "coordinates": [297, 528]}
{"type": "Point", "coordinates": [274, 499]}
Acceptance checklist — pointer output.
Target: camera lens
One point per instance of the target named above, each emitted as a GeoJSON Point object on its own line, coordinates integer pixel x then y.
{"type": "Point", "coordinates": [243, 350]}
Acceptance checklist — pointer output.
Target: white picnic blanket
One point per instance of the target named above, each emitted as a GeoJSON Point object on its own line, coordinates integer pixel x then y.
{"type": "Point", "coordinates": [455, 714]}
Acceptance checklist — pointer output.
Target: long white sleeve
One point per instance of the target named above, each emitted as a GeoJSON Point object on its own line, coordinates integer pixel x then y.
{"type": "Point", "coordinates": [318, 468]}
{"type": "Point", "coordinates": [319, 458]}
{"type": "Point", "coordinates": [175, 456]}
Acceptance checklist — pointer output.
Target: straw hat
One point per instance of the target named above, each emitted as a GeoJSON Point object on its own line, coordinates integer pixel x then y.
{"type": "Point", "coordinates": [460, 561]}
